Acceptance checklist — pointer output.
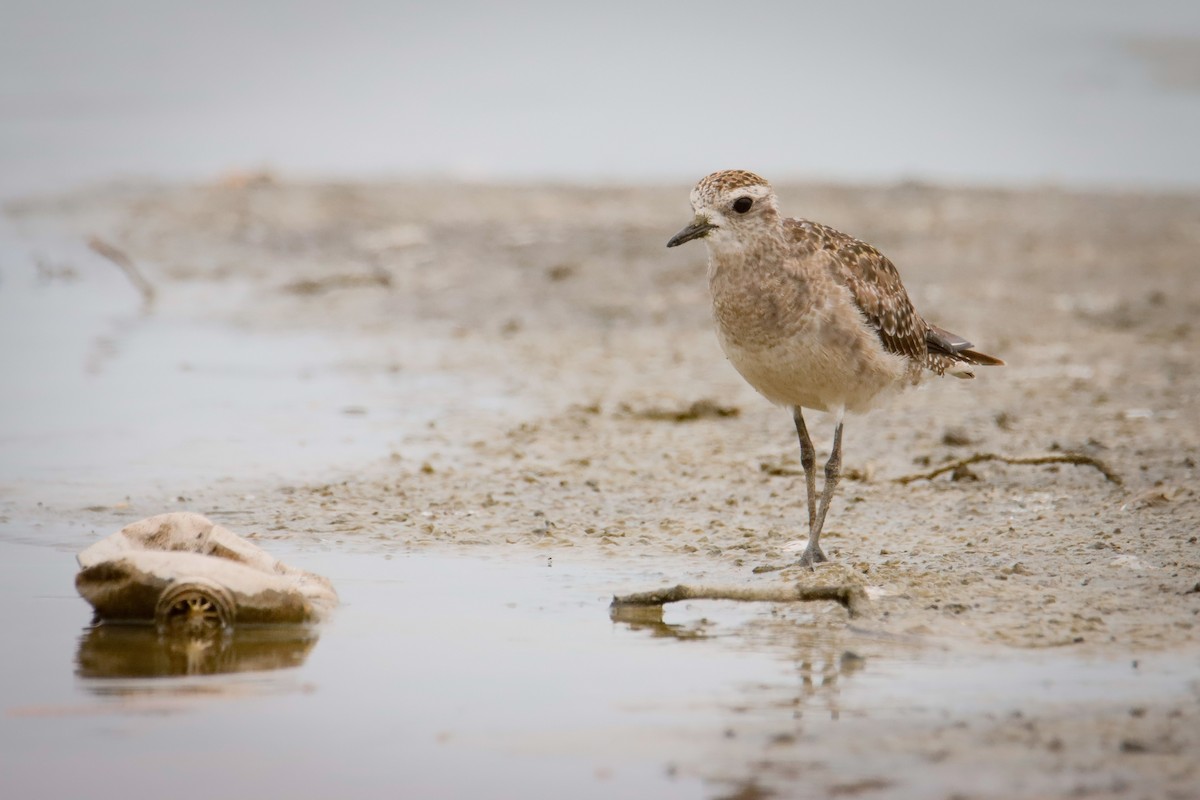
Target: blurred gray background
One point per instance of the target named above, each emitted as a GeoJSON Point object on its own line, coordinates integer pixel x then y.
{"type": "Point", "coordinates": [1076, 93]}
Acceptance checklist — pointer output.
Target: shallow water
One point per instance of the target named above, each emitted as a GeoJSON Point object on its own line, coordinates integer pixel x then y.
{"type": "Point", "coordinates": [103, 397]}
{"type": "Point", "coordinates": [443, 677]}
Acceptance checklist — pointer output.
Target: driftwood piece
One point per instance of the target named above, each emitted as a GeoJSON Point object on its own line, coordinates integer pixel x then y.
{"type": "Point", "coordinates": [1055, 458]}
{"type": "Point", "coordinates": [853, 598]}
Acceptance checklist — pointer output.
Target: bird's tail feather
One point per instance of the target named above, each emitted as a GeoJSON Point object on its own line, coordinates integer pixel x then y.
{"type": "Point", "coordinates": [944, 343]}
{"type": "Point", "coordinates": [975, 357]}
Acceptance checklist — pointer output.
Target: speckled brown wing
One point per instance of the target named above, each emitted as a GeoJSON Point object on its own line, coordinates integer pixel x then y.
{"type": "Point", "coordinates": [873, 282]}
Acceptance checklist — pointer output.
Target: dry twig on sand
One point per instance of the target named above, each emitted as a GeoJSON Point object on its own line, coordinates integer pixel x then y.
{"type": "Point", "coordinates": [699, 409]}
{"type": "Point", "coordinates": [854, 598]}
{"type": "Point", "coordinates": [331, 283]}
{"type": "Point", "coordinates": [1057, 458]}
{"type": "Point", "coordinates": [122, 260]}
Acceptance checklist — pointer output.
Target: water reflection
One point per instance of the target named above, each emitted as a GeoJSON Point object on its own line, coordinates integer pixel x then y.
{"type": "Point", "coordinates": [820, 671]}
{"type": "Point", "coordinates": [143, 651]}
{"type": "Point", "coordinates": [773, 723]}
{"type": "Point", "coordinates": [650, 620]}
{"type": "Point", "coordinates": [820, 658]}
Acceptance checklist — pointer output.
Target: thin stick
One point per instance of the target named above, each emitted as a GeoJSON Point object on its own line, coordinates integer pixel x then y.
{"type": "Point", "coordinates": [1059, 458]}
{"type": "Point", "coordinates": [854, 598]}
{"type": "Point", "coordinates": [119, 257]}
{"type": "Point", "coordinates": [319, 286]}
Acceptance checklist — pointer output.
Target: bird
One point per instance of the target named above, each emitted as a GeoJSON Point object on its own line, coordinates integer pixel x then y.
{"type": "Point", "coordinates": [812, 318]}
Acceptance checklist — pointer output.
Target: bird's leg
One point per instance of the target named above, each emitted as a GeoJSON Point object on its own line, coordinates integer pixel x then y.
{"type": "Point", "coordinates": [808, 460]}
{"type": "Point", "coordinates": [833, 471]}
{"type": "Point", "coordinates": [816, 514]}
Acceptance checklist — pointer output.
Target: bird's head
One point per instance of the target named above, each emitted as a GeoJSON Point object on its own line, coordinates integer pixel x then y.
{"type": "Point", "coordinates": [732, 207]}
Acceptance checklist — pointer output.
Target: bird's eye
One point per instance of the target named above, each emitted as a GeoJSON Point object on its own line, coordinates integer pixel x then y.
{"type": "Point", "coordinates": [742, 204]}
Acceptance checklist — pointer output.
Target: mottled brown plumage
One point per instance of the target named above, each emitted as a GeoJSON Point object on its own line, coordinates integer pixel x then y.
{"type": "Point", "coordinates": [811, 317]}
{"type": "Point", "coordinates": [880, 296]}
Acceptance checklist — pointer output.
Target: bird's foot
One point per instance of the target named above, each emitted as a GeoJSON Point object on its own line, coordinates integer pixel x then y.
{"type": "Point", "coordinates": [809, 559]}
{"type": "Point", "coordinates": [812, 556]}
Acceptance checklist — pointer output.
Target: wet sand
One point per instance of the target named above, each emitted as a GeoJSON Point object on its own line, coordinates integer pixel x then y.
{"type": "Point", "coordinates": [542, 380]}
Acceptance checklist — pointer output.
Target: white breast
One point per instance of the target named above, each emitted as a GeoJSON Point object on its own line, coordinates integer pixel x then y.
{"type": "Point", "coordinates": [834, 361]}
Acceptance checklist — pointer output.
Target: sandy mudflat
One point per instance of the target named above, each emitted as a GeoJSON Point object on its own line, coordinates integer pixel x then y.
{"type": "Point", "coordinates": [589, 410]}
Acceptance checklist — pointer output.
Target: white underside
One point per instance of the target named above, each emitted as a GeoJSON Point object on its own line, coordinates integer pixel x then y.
{"type": "Point", "coordinates": [811, 372]}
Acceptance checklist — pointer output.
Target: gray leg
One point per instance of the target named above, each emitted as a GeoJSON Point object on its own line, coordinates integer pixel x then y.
{"type": "Point", "coordinates": [808, 460]}
{"type": "Point", "coordinates": [816, 514]}
{"type": "Point", "coordinates": [833, 471]}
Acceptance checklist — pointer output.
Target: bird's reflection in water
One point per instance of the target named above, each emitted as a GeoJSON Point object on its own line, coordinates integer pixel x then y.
{"type": "Point", "coordinates": [776, 719]}
{"type": "Point", "coordinates": [820, 669]}
{"type": "Point", "coordinates": [820, 657]}
{"type": "Point", "coordinates": [143, 651]}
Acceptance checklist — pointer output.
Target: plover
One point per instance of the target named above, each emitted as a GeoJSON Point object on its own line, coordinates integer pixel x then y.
{"type": "Point", "coordinates": [811, 318]}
